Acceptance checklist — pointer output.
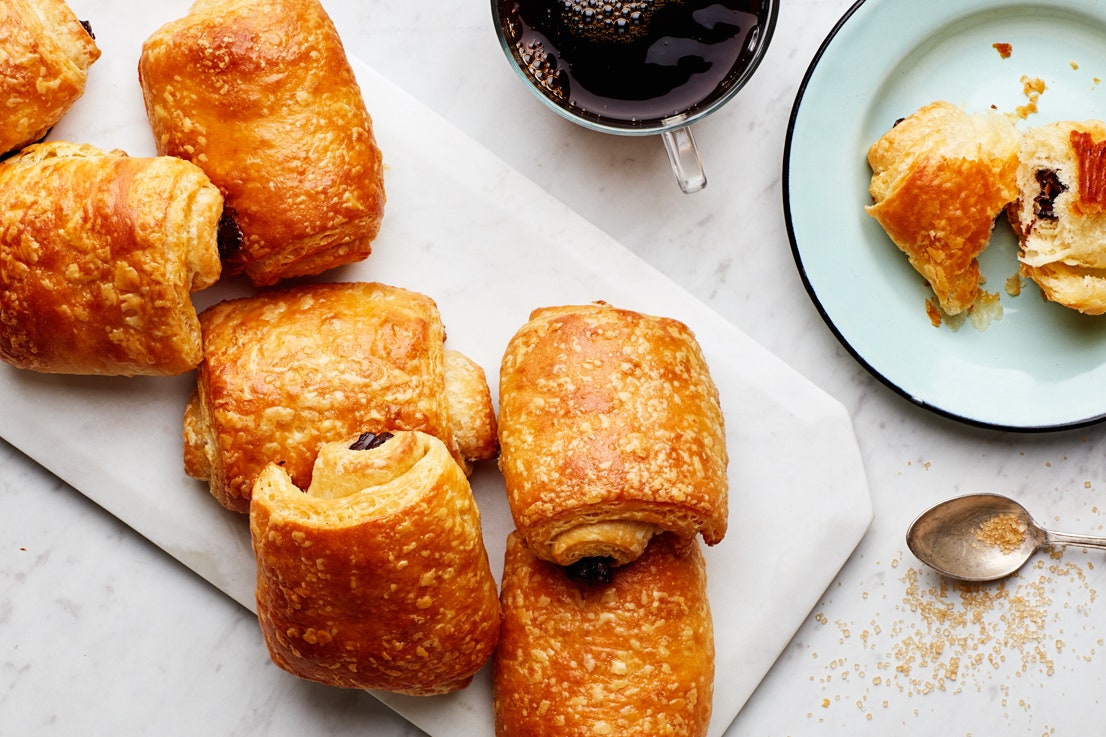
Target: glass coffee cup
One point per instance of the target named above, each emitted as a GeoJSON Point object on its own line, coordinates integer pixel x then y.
{"type": "Point", "coordinates": [637, 67]}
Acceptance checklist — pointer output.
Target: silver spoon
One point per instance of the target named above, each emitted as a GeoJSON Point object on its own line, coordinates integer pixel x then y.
{"type": "Point", "coordinates": [983, 537]}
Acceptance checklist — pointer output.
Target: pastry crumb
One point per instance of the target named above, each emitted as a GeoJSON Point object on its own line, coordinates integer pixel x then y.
{"type": "Point", "coordinates": [1032, 87]}
{"type": "Point", "coordinates": [1004, 49]}
{"type": "Point", "coordinates": [986, 309]}
{"type": "Point", "coordinates": [934, 312]}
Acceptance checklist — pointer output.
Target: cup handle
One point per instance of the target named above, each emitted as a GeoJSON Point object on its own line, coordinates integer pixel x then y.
{"type": "Point", "coordinates": [684, 157]}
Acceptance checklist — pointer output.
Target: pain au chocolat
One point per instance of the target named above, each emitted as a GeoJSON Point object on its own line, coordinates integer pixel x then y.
{"type": "Point", "coordinates": [633, 657]}
{"type": "Point", "coordinates": [375, 576]}
{"type": "Point", "coordinates": [610, 432]}
{"type": "Point", "coordinates": [45, 55]}
{"type": "Point", "coordinates": [289, 369]}
{"type": "Point", "coordinates": [100, 253]}
{"type": "Point", "coordinates": [261, 96]}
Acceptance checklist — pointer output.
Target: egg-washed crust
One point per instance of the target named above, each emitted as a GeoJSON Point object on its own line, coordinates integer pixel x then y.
{"type": "Point", "coordinates": [45, 55]}
{"type": "Point", "coordinates": [610, 430]}
{"type": "Point", "coordinates": [940, 177]}
{"type": "Point", "coordinates": [632, 658]}
{"type": "Point", "coordinates": [377, 576]}
{"type": "Point", "coordinates": [287, 370]}
{"type": "Point", "coordinates": [99, 255]}
{"type": "Point", "coordinates": [260, 95]}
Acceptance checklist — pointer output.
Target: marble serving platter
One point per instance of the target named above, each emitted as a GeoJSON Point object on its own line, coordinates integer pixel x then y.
{"type": "Point", "coordinates": [489, 246]}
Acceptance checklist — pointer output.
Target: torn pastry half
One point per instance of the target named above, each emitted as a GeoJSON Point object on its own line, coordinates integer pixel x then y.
{"type": "Point", "coordinates": [375, 576]}
{"type": "Point", "coordinates": [1060, 212]}
{"type": "Point", "coordinates": [940, 178]}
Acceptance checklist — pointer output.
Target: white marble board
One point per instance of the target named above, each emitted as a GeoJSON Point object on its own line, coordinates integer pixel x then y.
{"type": "Point", "coordinates": [488, 245]}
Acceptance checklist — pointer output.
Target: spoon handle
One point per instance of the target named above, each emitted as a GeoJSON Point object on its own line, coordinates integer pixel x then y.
{"type": "Point", "coordinates": [1063, 538]}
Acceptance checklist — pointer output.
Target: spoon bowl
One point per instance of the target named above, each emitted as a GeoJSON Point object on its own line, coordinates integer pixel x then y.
{"type": "Point", "coordinates": [983, 537]}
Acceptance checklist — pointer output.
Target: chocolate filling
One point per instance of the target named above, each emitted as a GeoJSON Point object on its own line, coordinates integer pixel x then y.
{"type": "Point", "coordinates": [370, 440]}
{"type": "Point", "coordinates": [592, 571]}
{"type": "Point", "coordinates": [1051, 188]}
{"type": "Point", "coordinates": [229, 234]}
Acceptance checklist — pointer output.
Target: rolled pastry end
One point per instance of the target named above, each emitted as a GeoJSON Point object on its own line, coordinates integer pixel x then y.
{"type": "Point", "coordinates": [620, 541]}
{"type": "Point", "coordinates": [197, 453]}
{"type": "Point", "coordinates": [471, 413]}
{"type": "Point", "coordinates": [617, 531]}
{"type": "Point", "coordinates": [376, 577]}
{"type": "Point", "coordinates": [368, 463]}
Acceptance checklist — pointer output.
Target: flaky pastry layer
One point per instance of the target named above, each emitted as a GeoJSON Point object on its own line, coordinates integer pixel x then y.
{"type": "Point", "coordinates": [1059, 216]}
{"type": "Point", "coordinates": [940, 177]}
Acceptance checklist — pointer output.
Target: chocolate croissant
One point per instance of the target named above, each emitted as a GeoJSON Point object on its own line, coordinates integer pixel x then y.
{"type": "Point", "coordinates": [45, 55]}
{"type": "Point", "coordinates": [287, 370]}
{"type": "Point", "coordinates": [99, 255]}
{"type": "Point", "coordinates": [610, 431]}
{"type": "Point", "coordinates": [632, 657]}
{"type": "Point", "coordinates": [260, 95]}
{"type": "Point", "coordinates": [377, 576]}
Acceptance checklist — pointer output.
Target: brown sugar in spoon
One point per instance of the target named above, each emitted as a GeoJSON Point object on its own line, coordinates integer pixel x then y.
{"type": "Point", "coordinates": [983, 537]}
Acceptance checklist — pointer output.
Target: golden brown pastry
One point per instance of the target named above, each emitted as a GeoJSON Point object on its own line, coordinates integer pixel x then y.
{"type": "Point", "coordinates": [1060, 213]}
{"type": "Point", "coordinates": [289, 369]}
{"type": "Point", "coordinates": [633, 657]}
{"type": "Point", "coordinates": [45, 54]}
{"type": "Point", "coordinates": [610, 431]}
{"type": "Point", "coordinates": [377, 576]}
{"type": "Point", "coordinates": [939, 179]}
{"type": "Point", "coordinates": [260, 95]}
{"type": "Point", "coordinates": [99, 255]}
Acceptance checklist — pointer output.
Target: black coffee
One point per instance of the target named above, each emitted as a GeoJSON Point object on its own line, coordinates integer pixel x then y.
{"type": "Point", "coordinates": [638, 62]}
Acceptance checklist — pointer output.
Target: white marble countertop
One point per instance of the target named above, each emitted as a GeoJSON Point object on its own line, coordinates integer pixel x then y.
{"type": "Point", "coordinates": [102, 633]}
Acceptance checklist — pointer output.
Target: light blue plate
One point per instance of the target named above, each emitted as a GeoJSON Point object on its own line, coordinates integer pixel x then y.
{"type": "Point", "coordinates": [1041, 366]}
